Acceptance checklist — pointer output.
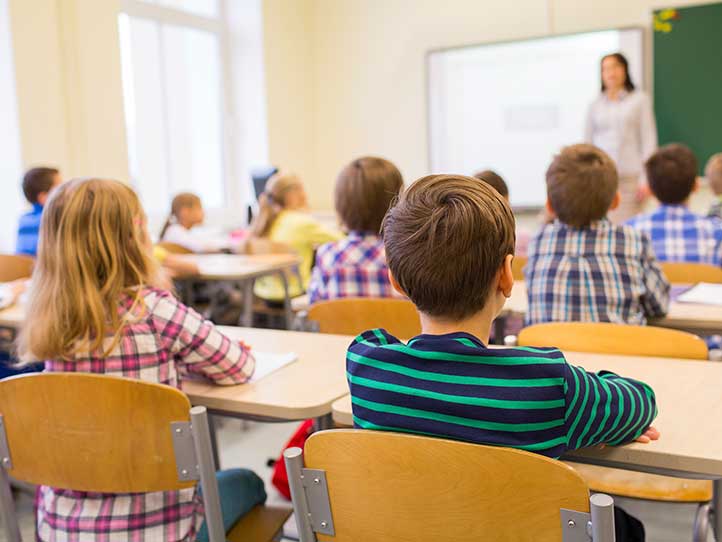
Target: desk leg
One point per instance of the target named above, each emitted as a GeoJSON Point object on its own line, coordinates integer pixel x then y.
{"type": "Point", "coordinates": [287, 300]}
{"type": "Point", "coordinates": [214, 440]}
{"type": "Point", "coordinates": [7, 507]}
{"type": "Point", "coordinates": [323, 422]}
{"type": "Point", "coordinates": [247, 315]}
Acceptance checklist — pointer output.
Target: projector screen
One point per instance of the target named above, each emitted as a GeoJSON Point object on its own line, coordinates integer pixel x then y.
{"type": "Point", "coordinates": [511, 106]}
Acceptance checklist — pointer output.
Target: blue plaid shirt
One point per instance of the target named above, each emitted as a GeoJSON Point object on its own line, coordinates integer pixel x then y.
{"type": "Point", "coordinates": [601, 273]}
{"type": "Point", "coordinates": [679, 235]}
{"type": "Point", "coordinates": [28, 231]}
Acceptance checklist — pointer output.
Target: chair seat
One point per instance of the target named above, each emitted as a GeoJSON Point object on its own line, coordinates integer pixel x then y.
{"type": "Point", "coordinates": [262, 524]}
{"type": "Point", "coordinates": [640, 485]}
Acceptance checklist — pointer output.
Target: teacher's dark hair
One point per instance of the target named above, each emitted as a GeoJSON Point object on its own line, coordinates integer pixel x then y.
{"type": "Point", "coordinates": [619, 57]}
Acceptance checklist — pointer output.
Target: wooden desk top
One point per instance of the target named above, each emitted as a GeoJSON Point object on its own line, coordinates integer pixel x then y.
{"type": "Point", "coordinates": [702, 319]}
{"type": "Point", "coordinates": [304, 389]}
{"type": "Point", "coordinates": [239, 267]}
{"type": "Point", "coordinates": [690, 407]}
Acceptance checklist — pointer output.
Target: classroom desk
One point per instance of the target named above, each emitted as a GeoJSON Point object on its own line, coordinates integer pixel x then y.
{"type": "Point", "coordinates": [245, 269]}
{"type": "Point", "coordinates": [695, 318]}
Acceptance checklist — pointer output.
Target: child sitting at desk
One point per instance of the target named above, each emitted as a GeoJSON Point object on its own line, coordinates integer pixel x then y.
{"type": "Point", "coordinates": [713, 172]}
{"type": "Point", "coordinates": [94, 307]}
{"type": "Point", "coordinates": [180, 228]}
{"type": "Point", "coordinates": [37, 185]}
{"type": "Point", "coordinates": [449, 245]}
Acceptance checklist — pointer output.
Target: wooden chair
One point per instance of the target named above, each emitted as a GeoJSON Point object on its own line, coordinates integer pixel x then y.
{"type": "Point", "coordinates": [174, 248]}
{"type": "Point", "coordinates": [517, 267]}
{"type": "Point", "coordinates": [13, 267]}
{"type": "Point", "coordinates": [617, 339]}
{"type": "Point", "coordinates": [113, 435]}
{"type": "Point", "coordinates": [354, 315]}
{"type": "Point", "coordinates": [353, 486]}
{"type": "Point", "coordinates": [634, 341]}
{"type": "Point", "coordinates": [691, 273]}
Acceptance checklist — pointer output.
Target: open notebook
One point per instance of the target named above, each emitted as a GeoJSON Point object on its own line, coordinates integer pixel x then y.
{"type": "Point", "coordinates": [704, 292]}
{"type": "Point", "coordinates": [266, 363]}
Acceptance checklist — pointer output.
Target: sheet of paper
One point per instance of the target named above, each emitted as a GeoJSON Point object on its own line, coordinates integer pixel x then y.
{"type": "Point", "coordinates": [704, 292]}
{"type": "Point", "coordinates": [266, 363]}
{"type": "Point", "coordinates": [290, 530]}
{"type": "Point", "coordinates": [6, 296]}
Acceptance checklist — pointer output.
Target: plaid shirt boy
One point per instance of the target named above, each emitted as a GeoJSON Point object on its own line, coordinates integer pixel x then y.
{"type": "Point", "coordinates": [679, 235]}
{"type": "Point", "coordinates": [162, 341]}
{"type": "Point", "coordinates": [601, 273]}
{"type": "Point", "coordinates": [353, 267]}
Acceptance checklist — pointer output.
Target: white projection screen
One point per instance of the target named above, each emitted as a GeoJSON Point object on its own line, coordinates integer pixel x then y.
{"type": "Point", "coordinates": [511, 106]}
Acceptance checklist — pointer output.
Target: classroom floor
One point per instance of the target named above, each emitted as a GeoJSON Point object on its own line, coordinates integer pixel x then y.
{"type": "Point", "coordinates": [252, 446]}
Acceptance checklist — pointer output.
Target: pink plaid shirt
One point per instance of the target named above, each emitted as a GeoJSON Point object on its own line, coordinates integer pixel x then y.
{"type": "Point", "coordinates": [162, 341]}
{"type": "Point", "coordinates": [353, 267]}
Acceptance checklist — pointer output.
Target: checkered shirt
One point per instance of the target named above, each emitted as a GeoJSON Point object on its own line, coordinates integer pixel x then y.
{"type": "Point", "coordinates": [353, 267]}
{"type": "Point", "coordinates": [679, 235]}
{"type": "Point", "coordinates": [161, 342]}
{"type": "Point", "coordinates": [601, 273]}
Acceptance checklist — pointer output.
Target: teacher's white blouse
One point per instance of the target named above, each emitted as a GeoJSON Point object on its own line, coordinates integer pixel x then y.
{"type": "Point", "coordinates": [623, 128]}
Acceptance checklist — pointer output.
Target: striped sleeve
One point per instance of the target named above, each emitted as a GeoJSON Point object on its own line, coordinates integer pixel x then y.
{"type": "Point", "coordinates": [197, 344]}
{"type": "Point", "coordinates": [604, 408]}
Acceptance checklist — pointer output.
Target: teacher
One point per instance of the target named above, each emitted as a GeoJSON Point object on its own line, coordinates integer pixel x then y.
{"type": "Point", "coordinates": [621, 123]}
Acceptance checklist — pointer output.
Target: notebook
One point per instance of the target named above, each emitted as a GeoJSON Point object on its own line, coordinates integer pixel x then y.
{"type": "Point", "coordinates": [267, 363]}
{"type": "Point", "coordinates": [703, 293]}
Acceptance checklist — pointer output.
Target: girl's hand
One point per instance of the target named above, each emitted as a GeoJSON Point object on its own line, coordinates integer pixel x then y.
{"type": "Point", "coordinates": [652, 433]}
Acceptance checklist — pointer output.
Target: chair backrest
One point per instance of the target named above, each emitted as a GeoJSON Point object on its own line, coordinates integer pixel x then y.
{"type": "Point", "coordinates": [14, 267]}
{"type": "Point", "coordinates": [92, 432]}
{"type": "Point", "coordinates": [388, 487]}
{"type": "Point", "coordinates": [615, 339]}
{"type": "Point", "coordinates": [690, 273]}
{"type": "Point", "coordinates": [174, 248]}
{"type": "Point", "coordinates": [354, 315]}
{"type": "Point", "coordinates": [259, 246]}
{"type": "Point", "coordinates": [517, 267]}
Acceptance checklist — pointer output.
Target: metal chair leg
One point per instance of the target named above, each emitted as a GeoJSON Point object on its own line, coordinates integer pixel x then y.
{"type": "Point", "coordinates": [7, 508]}
{"type": "Point", "coordinates": [207, 468]}
{"type": "Point", "coordinates": [702, 523]}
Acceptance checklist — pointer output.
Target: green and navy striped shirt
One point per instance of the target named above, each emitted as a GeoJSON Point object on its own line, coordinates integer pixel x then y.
{"type": "Point", "coordinates": [453, 386]}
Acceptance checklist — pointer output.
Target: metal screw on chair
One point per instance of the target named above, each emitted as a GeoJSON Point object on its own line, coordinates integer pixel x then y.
{"type": "Point", "coordinates": [184, 472]}
{"type": "Point", "coordinates": [6, 460]}
{"type": "Point", "coordinates": [324, 524]}
{"type": "Point", "coordinates": [316, 481]}
{"type": "Point", "coordinates": [571, 524]}
{"type": "Point", "coordinates": [178, 430]}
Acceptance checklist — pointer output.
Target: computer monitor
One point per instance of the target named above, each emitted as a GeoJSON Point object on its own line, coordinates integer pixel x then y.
{"type": "Point", "coordinates": [260, 176]}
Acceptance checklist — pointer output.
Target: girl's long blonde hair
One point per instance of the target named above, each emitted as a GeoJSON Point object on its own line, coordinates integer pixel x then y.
{"type": "Point", "coordinates": [272, 201]}
{"type": "Point", "coordinates": [94, 250]}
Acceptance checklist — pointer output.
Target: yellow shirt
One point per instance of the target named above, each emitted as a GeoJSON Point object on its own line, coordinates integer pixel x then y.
{"type": "Point", "coordinates": [303, 233]}
{"type": "Point", "coordinates": [159, 253]}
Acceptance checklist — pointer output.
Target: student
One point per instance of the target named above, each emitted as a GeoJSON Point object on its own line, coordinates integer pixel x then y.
{"type": "Point", "coordinates": [678, 234]}
{"type": "Point", "coordinates": [583, 268]}
{"type": "Point", "coordinates": [713, 172]}
{"type": "Point", "coordinates": [187, 213]}
{"type": "Point", "coordinates": [356, 266]}
{"type": "Point", "coordinates": [492, 178]}
{"type": "Point", "coordinates": [449, 245]}
{"type": "Point", "coordinates": [94, 308]}
{"type": "Point", "coordinates": [37, 185]}
{"type": "Point", "coordinates": [283, 218]}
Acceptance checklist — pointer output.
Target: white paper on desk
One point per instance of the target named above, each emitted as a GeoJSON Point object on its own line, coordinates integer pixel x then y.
{"type": "Point", "coordinates": [266, 363]}
{"type": "Point", "coordinates": [6, 296]}
{"type": "Point", "coordinates": [704, 292]}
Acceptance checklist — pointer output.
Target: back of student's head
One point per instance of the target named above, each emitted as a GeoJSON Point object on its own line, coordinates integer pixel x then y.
{"type": "Point", "coordinates": [37, 181]}
{"type": "Point", "coordinates": [365, 189]}
{"type": "Point", "coordinates": [273, 200]}
{"type": "Point", "coordinates": [672, 173]}
{"type": "Point", "coordinates": [93, 249]}
{"type": "Point", "coordinates": [713, 172]}
{"type": "Point", "coordinates": [446, 240]}
{"type": "Point", "coordinates": [581, 184]}
{"type": "Point", "coordinates": [184, 200]}
{"type": "Point", "coordinates": [492, 178]}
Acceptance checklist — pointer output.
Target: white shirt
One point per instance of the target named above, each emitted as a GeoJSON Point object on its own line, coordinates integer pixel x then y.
{"type": "Point", "coordinates": [623, 128]}
{"type": "Point", "coordinates": [194, 239]}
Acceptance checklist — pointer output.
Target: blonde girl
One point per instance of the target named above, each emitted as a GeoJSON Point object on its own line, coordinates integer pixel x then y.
{"type": "Point", "coordinates": [94, 307]}
{"type": "Point", "coordinates": [186, 212]}
{"type": "Point", "coordinates": [283, 218]}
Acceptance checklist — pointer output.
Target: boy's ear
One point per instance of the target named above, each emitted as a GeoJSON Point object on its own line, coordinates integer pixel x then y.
{"type": "Point", "coordinates": [42, 198]}
{"type": "Point", "coordinates": [395, 284]}
{"type": "Point", "coordinates": [506, 276]}
{"type": "Point", "coordinates": [615, 201]}
{"type": "Point", "coordinates": [695, 186]}
{"type": "Point", "coordinates": [550, 209]}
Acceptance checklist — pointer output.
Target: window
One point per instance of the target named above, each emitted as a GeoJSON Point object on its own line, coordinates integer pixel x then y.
{"type": "Point", "coordinates": [12, 202]}
{"type": "Point", "coordinates": [177, 107]}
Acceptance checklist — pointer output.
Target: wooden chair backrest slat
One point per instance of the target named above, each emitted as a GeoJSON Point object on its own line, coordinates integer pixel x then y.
{"type": "Point", "coordinates": [354, 315]}
{"type": "Point", "coordinates": [14, 267]}
{"type": "Point", "coordinates": [615, 339]}
{"type": "Point", "coordinates": [91, 432]}
{"type": "Point", "coordinates": [388, 487]}
{"type": "Point", "coordinates": [174, 248]}
{"type": "Point", "coordinates": [517, 267]}
{"type": "Point", "coordinates": [691, 273]}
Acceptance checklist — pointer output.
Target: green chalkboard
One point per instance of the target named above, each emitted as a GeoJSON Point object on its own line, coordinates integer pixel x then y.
{"type": "Point", "coordinates": [688, 77]}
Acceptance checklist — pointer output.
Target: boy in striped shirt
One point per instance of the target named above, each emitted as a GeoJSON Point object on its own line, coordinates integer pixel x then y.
{"type": "Point", "coordinates": [449, 245]}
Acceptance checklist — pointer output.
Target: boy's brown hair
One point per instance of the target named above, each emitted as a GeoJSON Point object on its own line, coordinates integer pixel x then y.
{"type": "Point", "coordinates": [446, 239]}
{"type": "Point", "coordinates": [713, 172]}
{"type": "Point", "coordinates": [581, 184]}
{"type": "Point", "coordinates": [38, 180]}
{"type": "Point", "coordinates": [672, 173]}
{"type": "Point", "coordinates": [365, 189]}
{"type": "Point", "coordinates": [494, 179]}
